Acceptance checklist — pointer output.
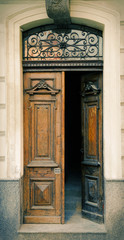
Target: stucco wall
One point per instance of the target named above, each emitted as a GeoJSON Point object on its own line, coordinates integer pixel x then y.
{"type": "Point", "coordinates": [16, 15]}
{"type": "Point", "coordinates": [105, 15]}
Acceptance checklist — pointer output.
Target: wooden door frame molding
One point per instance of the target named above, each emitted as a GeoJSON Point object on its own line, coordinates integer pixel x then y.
{"type": "Point", "coordinates": [39, 66]}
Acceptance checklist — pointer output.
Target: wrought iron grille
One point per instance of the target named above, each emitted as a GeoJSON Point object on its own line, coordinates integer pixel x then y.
{"type": "Point", "coordinates": [74, 43]}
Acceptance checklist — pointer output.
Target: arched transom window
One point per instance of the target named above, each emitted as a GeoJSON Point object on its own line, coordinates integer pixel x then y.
{"type": "Point", "coordinates": [71, 44]}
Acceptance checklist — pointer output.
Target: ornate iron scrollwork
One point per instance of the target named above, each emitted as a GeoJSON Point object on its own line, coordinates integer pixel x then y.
{"type": "Point", "coordinates": [74, 43]}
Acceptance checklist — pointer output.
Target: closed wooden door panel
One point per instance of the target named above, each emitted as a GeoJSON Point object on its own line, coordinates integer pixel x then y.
{"type": "Point", "coordinates": [43, 147]}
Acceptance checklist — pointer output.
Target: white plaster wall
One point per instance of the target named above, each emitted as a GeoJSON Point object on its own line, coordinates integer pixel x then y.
{"type": "Point", "coordinates": [2, 100]}
{"type": "Point", "coordinates": [101, 14]}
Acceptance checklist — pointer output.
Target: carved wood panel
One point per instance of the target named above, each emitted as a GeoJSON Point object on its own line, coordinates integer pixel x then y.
{"type": "Point", "coordinates": [43, 129]}
{"type": "Point", "coordinates": [92, 186]}
{"type": "Point", "coordinates": [43, 137]}
{"type": "Point", "coordinates": [91, 130]}
{"type": "Point", "coordinates": [92, 133]}
{"type": "Point", "coordinates": [41, 192]}
{"type": "Point", "coordinates": [92, 157]}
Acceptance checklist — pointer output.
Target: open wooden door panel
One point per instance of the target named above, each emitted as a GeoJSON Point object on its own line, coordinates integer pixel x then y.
{"type": "Point", "coordinates": [44, 147]}
{"type": "Point", "coordinates": [91, 146]}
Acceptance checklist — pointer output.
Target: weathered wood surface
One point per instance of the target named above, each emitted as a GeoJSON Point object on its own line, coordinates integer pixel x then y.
{"type": "Point", "coordinates": [43, 147]}
{"type": "Point", "coordinates": [92, 143]}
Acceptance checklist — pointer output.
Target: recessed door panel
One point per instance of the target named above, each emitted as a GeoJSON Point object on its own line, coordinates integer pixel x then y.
{"type": "Point", "coordinates": [42, 191]}
{"type": "Point", "coordinates": [42, 131]}
{"type": "Point", "coordinates": [91, 129]}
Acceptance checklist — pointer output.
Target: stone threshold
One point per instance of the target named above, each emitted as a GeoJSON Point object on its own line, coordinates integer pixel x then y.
{"type": "Point", "coordinates": [85, 226]}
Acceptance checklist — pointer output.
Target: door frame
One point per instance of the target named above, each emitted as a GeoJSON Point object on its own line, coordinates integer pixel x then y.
{"type": "Point", "coordinates": [109, 22]}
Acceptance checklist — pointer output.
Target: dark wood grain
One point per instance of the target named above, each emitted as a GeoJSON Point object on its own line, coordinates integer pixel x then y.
{"type": "Point", "coordinates": [92, 141]}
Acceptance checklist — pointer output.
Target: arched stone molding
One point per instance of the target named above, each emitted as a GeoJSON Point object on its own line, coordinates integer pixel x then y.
{"type": "Point", "coordinates": [81, 12]}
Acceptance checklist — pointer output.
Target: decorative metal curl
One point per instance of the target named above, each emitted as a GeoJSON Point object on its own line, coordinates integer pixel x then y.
{"type": "Point", "coordinates": [75, 44]}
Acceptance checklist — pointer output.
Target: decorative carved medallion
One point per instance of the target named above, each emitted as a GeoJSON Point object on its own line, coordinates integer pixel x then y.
{"type": "Point", "coordinates": [42, 88]}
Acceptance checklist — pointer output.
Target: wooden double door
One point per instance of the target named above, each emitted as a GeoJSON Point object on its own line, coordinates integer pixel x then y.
{"type": "Point", "coordinates": [44, 145]}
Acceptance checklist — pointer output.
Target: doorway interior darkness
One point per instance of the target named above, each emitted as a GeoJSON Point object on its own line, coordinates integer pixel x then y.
{"type": "Point", "coordinates": [72, 146]}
